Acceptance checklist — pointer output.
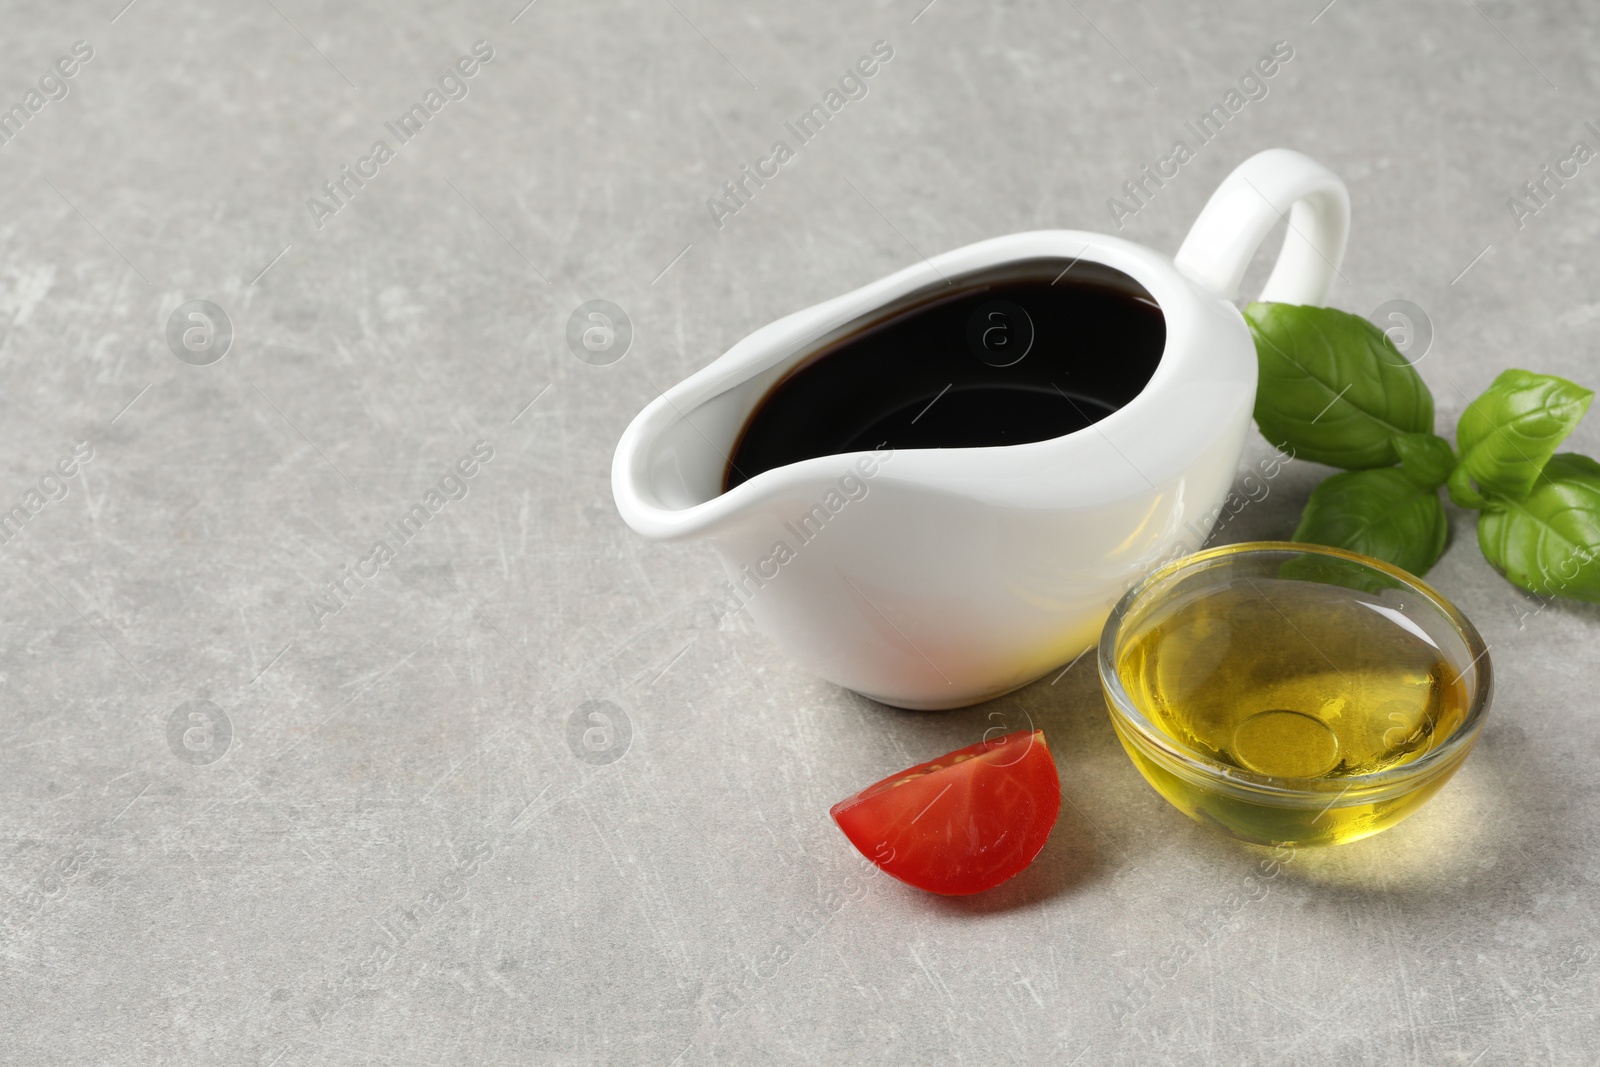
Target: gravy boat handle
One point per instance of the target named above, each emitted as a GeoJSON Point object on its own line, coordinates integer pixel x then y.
{"type": "Point", "coordinates": [1270, 187]}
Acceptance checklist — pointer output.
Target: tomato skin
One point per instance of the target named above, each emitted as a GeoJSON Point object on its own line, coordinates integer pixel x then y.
{"type": "Point", "coordinates": [962, 823]}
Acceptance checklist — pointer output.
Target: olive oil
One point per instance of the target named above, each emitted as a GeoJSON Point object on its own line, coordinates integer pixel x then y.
{"type": "Point", "coordinates": [1292, 680]}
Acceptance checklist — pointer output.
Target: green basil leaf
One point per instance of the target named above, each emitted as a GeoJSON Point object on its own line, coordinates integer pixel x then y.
{"type": "Point", "coordinates": [1378, 513]}
{"type": "Point", "coordinates": [1333, 387]}
{"type": "Point", "coordinates": [1463, 492]}
{"type": "Point", "coordinates": [1509, 433]}
{"type": "Point", "coordinates": [1549, 541]}
{"type": "Point", "coordinates": [1425, 458]}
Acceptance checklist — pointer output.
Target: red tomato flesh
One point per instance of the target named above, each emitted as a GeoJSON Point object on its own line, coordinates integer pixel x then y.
{"type": "Point", "coordinates": [962, 823]}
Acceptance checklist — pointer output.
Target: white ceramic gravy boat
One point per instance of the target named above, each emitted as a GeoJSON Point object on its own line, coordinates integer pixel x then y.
{"type": "Point", "coordinates": [940, 577]}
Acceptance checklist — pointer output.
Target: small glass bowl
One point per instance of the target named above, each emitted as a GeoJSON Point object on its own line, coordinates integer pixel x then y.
{"type": "Point", "coordinates": [1273, 810]}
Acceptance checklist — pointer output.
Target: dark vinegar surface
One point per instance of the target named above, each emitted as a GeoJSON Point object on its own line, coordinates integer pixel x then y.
{"type": "Point", "coordinates": [1000, 364]}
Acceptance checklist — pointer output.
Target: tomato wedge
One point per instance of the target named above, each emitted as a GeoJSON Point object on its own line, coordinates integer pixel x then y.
{"type": "Point", "coordinates": [962, 823]}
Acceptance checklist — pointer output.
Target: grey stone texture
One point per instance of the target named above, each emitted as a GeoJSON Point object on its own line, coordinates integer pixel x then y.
{"type": "Point", "coordinates": [397, 831]}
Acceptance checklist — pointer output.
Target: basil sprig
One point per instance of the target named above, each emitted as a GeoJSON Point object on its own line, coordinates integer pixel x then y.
{"type": "Point", "coordinates": [1334, 389]}
{"type": "Point", "coordinates": [1509, 433]}
{"type": "Point", "coordinates": [1549, 541]}
{"type": "Point", "coordinates": [1377, 512]}
{"type": "Point", "coordinates": [1335, 386]}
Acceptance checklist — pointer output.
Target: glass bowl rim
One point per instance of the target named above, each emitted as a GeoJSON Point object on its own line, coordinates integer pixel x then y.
{"type": "Point", "coordinates": [1436, 760]}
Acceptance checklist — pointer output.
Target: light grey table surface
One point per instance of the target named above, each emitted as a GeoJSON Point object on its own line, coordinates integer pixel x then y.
{"type": "Point", "coordinates": [381, 844]}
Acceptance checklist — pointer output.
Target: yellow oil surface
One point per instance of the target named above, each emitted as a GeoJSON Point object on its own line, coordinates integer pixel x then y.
{"type": "Point", "coordinates": [1292, 679]}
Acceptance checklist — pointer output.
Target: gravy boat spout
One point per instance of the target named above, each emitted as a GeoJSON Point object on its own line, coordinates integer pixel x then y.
{"type": "Point", "coordinates": [936, 577]}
